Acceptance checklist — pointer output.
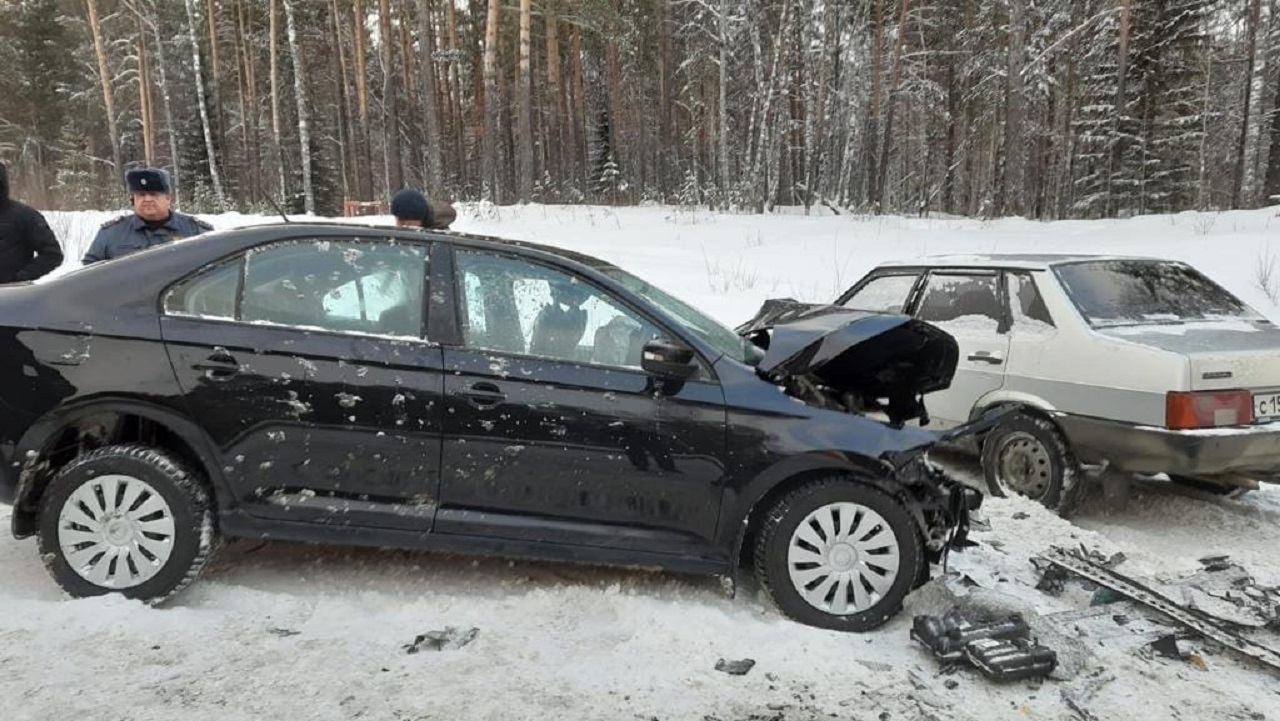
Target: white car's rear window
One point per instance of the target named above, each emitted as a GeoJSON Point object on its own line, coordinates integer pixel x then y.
{"type": "Point", "coordinates": [1132, 292]}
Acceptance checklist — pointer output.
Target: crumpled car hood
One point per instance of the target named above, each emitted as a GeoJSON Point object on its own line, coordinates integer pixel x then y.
{"type": "Point", "coordinates": [873, 353]}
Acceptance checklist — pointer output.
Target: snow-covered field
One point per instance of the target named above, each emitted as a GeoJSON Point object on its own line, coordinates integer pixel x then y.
{"type": "Point", "coordinates": [290, 632]}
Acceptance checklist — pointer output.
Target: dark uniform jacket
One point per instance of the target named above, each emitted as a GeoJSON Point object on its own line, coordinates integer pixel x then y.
{"type": "Point", "coordinates": [28, 249]}
{"type": "Point", "coordinates": [129, 233]}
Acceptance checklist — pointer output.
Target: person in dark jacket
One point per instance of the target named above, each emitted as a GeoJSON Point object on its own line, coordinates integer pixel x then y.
{"type": "Point", "coordinates": [28, 248]}
{"type": "Point", "coordinates": [412, 209]}
{"type": "Point", "coordinates": [152, 222]}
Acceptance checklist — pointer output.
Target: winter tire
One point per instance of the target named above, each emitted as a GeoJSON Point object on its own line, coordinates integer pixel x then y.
{"type": "Point", "coordinates": [838, 554]}
{"type": "Point", "coordinates": [126, 519]}
{"type": "Point", "coordinates": [1028, 455]}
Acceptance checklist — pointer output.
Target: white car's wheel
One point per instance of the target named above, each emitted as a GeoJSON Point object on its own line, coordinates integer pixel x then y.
{"type": "Point", "coordinates": [126, 519]}
{"type": "Point", "coordinates": [1028, 455]}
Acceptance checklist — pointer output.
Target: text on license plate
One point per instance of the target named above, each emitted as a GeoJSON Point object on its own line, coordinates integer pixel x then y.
{"type": "Point", "coordinates": [1266, 406]}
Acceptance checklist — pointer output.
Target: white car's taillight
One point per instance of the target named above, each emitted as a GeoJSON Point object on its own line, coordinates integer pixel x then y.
{"type": "Point", "coordinates": [1208, 409]}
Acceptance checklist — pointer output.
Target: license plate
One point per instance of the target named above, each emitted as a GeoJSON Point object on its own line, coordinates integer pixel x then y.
{"type": "Point", "coordinates": [1266, 406]}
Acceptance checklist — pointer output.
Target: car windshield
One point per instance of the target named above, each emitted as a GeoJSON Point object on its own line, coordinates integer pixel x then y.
{"type": "Point", "coordinates": [1137, 292]}
{"type": "Point", "coordinates": [700, 324]}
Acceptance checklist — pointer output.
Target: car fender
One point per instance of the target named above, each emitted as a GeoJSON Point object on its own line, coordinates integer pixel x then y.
{"type": "Point", "coordinates": [735, 521]}
{"type": "Point", "coordinates": [34, 444]}
{"type": "Point", "coordinates": [1002, 397]}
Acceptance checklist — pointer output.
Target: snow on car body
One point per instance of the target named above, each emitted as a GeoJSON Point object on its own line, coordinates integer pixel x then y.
{"type": "Point", "coordinates": [1141, 364]}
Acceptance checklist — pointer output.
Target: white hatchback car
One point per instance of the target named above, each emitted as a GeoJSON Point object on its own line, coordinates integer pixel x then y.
{"type": "Point", "coordinates": [1140, 365]}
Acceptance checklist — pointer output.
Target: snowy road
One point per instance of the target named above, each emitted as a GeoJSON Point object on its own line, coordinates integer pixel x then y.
{"type": "Point", "coordinates": [288, 632]}
{"type": "Point", "coordinates": [291, 632]}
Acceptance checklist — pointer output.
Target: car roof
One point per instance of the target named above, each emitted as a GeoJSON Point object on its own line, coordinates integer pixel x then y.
{"type": "Point", "coordinates": [1019, 261]}
{"type": "Point", "coordinates": [471, 239]}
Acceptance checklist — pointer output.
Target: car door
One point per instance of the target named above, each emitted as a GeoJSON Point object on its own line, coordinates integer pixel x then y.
{"type": "Point", "coordinates": [291, 358]}
{"type": "Point", "coordinates": [553, 433]}
{"type": "Point", "coordinates": [968, 304]}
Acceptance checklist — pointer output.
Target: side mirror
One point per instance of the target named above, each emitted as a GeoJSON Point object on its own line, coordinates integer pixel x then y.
{"type": "Point", "coordinates": [668, 359]}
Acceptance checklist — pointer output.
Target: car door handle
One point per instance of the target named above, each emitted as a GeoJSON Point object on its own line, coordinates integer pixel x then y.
{"type": "Point", "coordinates": [218, 367]}
{"type": "Point", "coordinates": [985, 357]}
{"type": "Point", "coordinates": [483, 395]}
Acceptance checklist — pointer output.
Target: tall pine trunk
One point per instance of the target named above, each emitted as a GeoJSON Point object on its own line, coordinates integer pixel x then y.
{"type": "Point", "coordinates": [1251, 54]}
{"type": "Point", "coordinates": [364, 175]}
{"type": "Point", "coordinates": [108, 95]}
{"type": "Point", "coordinates": [430, 100]}
{"type": "Point", "coordinates": [1272, 185]}
{"type": "Point", "coordinates": [1014, 180]}
{"type": "Point", "coordinates": [277, 145]}
{"type": "Point", "coordinates": [462, 167]}
{"type": "Point", "coordinates": [555, 96]}
{"type": "Point", "coordinates": [722, 108]}
{"type": "Point", "coordinates": [490, 139]}
{"type": "Point", "coordinates": [252, 119]}
{"type": "Point", "coordinates": [345, 126]}
{"type": "Point", "coordinates": [524, 126]}
{"type": "Point", "coordinates": [214, 177]}
{"type": "Point", "coordinates": [886, 147]}
{"type": "Point", "coordinates": [304, 114]}
{"type": "Point", "coordinates": [144, 99]}
{"type": "Point", "coordinates": [579, 122]}
{"type": "Point", "coordinates": [1121, 110]}
{"type": "Point", "coordinates": [215, 69]}
{"type": "Point", "coordinates": [165, 98]}
{"type": "Point", "coordinates": [394, 170]}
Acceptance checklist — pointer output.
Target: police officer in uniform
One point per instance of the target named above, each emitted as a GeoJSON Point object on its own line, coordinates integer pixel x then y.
{"type": "Point", "coordinates": [152, 222]}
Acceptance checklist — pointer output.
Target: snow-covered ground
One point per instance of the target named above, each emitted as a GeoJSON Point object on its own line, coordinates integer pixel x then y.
{"type": "Point", "coordinates": [292, 632]}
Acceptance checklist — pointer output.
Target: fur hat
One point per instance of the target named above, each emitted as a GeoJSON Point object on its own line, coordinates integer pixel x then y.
{"type": "Point", "coordinates": [148, 180]}
{"type": "Point", "coordinates": [409, 204]}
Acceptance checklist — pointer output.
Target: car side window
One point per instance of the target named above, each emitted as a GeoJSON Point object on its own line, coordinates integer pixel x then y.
{"type": "Point", "coordinates": [368, 287]}
{"type": "Point", "coordinates": [1029, 310]}
{"type": "Point", "coordinates": [371, 287]}
{"type": "Point", "coordinates": [516, 306]}
{"type": "Point", "coordinates": [211, 294]}
{"type": "Point", "coordinates": [883, 294]}
{"type": "Point", "coordinates": [968, 299]}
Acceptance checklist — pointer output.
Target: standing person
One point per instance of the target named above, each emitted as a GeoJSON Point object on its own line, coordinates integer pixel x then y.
{"type": "Point", "coordinates": [28, 248]}
{"type": "Point", "coordinates": [412, 209]}
{"type": "Point", "coordinates": [152, 222]}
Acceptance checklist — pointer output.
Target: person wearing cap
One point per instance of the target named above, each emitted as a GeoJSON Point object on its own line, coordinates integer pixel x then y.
{"type": "Point", "coordinates": [412, 210]}
{"type": "Point", "coordinates": [152, 222]}
{"type": "Point", "coordinates": [28, 248]}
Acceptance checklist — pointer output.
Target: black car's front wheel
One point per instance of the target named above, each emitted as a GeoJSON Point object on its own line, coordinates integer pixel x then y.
{"type": "Point", "coordinates": [838, 554]}
{"type": "Point", "coordinates": [126, 519]}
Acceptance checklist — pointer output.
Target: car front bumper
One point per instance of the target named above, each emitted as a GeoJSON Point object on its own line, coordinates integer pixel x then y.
{"type": "Point", "coordinates": [1244, 451]}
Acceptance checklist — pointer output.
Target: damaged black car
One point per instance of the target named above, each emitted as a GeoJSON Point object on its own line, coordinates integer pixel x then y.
{"type": "Point", "coordinates": [333, 383]}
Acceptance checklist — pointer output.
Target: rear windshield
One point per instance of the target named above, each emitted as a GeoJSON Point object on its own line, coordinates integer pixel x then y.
{"type": "Point", "coordinates": [1133, 292]}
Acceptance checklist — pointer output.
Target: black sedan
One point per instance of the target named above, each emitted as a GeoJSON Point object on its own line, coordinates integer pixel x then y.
{"type": "Point", "coordinates": [365, 385]}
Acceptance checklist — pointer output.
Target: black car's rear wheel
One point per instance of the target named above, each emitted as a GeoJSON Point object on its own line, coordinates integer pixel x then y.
{"type": "Point", "coordinates": [838, 554]}
{"type": "Point", "coordinates": [1029, 456]}
{"type": "Point", "coordinates": [126, 519]}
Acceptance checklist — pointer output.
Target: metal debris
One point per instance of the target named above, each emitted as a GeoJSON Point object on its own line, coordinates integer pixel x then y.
{"type": "Point", "coordinates": [1195, 620]}
{"type": "Point", "coordinates": [735, 668]}
{"type": "Point", "coordinates": [448, 639]}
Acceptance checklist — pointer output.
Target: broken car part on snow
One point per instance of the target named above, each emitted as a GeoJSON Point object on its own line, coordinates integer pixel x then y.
{"type": "Point", "coordinates": [1001, 649]}
{"type": "Point", "coordinates": [1195, 620]}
